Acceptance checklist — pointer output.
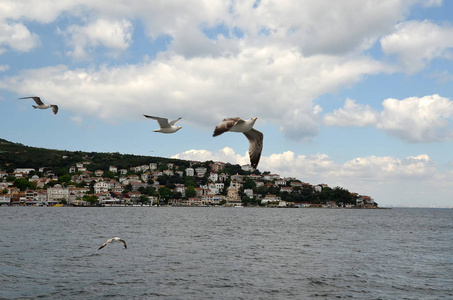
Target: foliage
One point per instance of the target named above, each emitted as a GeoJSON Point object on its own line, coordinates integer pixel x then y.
{"type": "Point", "coordinates": [23, 184]}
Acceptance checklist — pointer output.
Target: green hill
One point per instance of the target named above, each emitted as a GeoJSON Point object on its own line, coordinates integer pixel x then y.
{"type": "Point", "coordinates": [15, 155]}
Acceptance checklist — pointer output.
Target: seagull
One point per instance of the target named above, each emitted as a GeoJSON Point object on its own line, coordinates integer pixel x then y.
{"type": "Point", "coordinates": [246, 127]}
{"type": "Point", "coordinates": [115, 239]}
{"type": "Point", "coordinates": [41, 105]}
{"type": "Point", "coordinates": [165, 126]}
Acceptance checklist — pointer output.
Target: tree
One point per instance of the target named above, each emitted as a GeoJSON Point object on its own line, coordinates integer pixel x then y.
{"type": "Point", "coordinates": [90, 199]}
{"type": "Point", "coordinates": [144, 199]}
{"type": "Point", "coordinates": [249, 184]}
{"type": "Point", "coordinates": [23, 184]}
{"type": "Point", "coordinates": [190, 192]}
{"type": "Point", "coordinates": [164, 193]}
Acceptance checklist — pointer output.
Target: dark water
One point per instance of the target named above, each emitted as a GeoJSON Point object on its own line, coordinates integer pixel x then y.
{"type": "Point", "coordinates": [226, 253]}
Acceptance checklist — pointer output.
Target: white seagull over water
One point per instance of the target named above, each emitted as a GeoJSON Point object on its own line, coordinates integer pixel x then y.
{"type": "Point", "coordinates": [246, 127]}
{"type": "Point", "coordinates": [112, 240]}
{"type": "Point", "coordinates": [165, 126]}
{"type": "Point", "coordinates": [41, 105]}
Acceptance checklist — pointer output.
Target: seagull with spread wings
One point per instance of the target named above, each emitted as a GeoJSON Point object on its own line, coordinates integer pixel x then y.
{"type": "Point", "coordinates": [41, 105]}
{"type": "Point", "coordinates": [254, 136]}
{"type": "Point", "coordinates": [165, 126]}
{"type": "Point", "coordinates": [112, 240]}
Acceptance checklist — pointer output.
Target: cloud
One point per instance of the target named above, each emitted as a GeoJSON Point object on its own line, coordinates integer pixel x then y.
{"type": "Point", "coordinates": [366, 175]}
{"type": "Point", "coordinates": [78, 120]}
{"type": "Point", "coordinates": [278, 85]}
{"type": "Point", "coordinates": [17, 37]}
{"type": "Point", "coordinates": [114, 35]}
{"type": "Point", "coordinates": [417, 43]}
{"type": "Point", "coordinates": [226, 154]}
{"type": "Point", "coordinates": [426, 119]}
{"type": "Point", "coordinates": [4, 68]}
{"type": "Point", "coordinates": [352, 114]}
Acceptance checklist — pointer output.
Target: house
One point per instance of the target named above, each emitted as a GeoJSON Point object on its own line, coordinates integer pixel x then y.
{"type": "Point", "coordinates": [168, 172]}
{"type": "Point", "coordinates": [233, 198]}
{"type": "Point", "coordinates": [270, 198]}
{"type": "Point", "coordinates": [72, 169]}
{"type": "Point", "coordinates": [286, 189]}
{"type": "Point", "coordinates": [99, 173]}
{"type": "Point", "coordinates": [211, 199]}
{"type": "Point", "coordinates": [24, 170]}
{"type": "Point", "coordinates": [190, 172]}
{"type": "Point", "coordinates": [5, 199]}
{"type": "Point", "coordinates": [248, 193]}
{"type": "Point", "coordinates": [237, 177]}
{"type": "Point", "coordinates": [271, 177]}
{"type": "Point", "coordinates": [57, 194]}
{"type": "Point", "coordinates": [113, 169]}
{"type": "Point", "coordinates": [213, 176]}
{"type": "Point", "coordinates": [145, 176]}
{"type": "Point", "coordinates": [180, 188]}
{"type": "Point", "coordinates": [201, 171]}
{"type": "Point", "coordinates": [280, 182]}
{"type": "Point", "coordinates": [123, 172]}
{"type": "Point", "coordinates": [153, 166]}
{"type": "Point", "coordinates": [247, 168]}
{"type": "Point", "coordinates": [217, 166]}
{"type": "Point", "coordinates": [101, 187]}
{"type": "Point", "coordinates": [223, 177]}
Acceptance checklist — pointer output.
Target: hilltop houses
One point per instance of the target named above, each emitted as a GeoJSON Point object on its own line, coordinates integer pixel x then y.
{"type": "Point", "coordinates": [164, 183]}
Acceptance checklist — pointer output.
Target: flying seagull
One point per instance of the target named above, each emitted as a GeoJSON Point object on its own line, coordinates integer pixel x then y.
{"type": "Point", "coordinates": [112, 240]}
{"type": "Point", "coordinates": [165, 126]}
{"type": "Point", "coordinates": [41, 105]}
{"type": "Point", "coordinates": [246, 127]}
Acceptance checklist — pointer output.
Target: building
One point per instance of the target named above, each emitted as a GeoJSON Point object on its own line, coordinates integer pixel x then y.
{"type": "Point", "coordinates": [57, 194]}
{"type": "Point", "coordinates": [190, 172]}
{"type": "Point", "coordinates": [233, 198]}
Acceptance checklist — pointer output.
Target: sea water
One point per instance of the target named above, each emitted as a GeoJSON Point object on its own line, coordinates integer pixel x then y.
{"type": "Point", "coordinates": [225, 253]}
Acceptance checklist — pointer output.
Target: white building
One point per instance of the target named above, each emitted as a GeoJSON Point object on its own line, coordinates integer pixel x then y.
{"type": "Point", "coordinates": [190, 172]}
{"type": "Point", "coordinates": [101, 187]}
{"type": "Point", "coordinates": [247, 168]}
{"type": "Point", "coordinates": [213, 176]}
{"type": "Point", "coordinates": [23, 170]}
{"type": "Point", "coordinates": [201, 171]}
{"type": "Point", "coordinates": [56, 194]}
{"type": "Point", "coordinates": [248, 193]}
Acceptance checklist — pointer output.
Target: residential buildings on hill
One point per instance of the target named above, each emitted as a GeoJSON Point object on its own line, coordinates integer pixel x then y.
{"type": "Point", "coordinates": [167, 183]}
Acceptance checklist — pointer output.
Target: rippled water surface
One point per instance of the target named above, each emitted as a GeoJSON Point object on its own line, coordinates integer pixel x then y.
{"type": "Point", "coordinates": [226, 253]}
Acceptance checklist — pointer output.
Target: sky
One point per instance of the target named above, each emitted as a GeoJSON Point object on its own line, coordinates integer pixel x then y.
{"type": "Point", "coordinates": [354, 93]}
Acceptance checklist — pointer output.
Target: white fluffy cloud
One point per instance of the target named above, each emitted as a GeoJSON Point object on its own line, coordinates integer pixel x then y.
{"type": "Point", "coordinates": [365, 175]}
{"type": "Point", "coordinates": [17, 37]}
{"type": "Point", "coordinates": [114, 35]}
{"type": "Point", "coordinates": [426, 119]}
{"type": "Point", "coordinates": [417, 43]}
{"type": "Point", "coordinates": [276, 84]}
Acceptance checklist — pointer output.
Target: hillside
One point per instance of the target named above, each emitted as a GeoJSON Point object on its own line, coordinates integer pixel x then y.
{"type": "Point", "coordinates": [59, 162]}
{"type": "Point", "coordinates": [16, 155]}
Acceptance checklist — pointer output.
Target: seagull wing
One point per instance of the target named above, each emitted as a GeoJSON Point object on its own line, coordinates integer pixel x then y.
{"type": "Point", "coordinates": [123, 242]}
{"type": "Point", "coordinates": [54, 108]}
{"type": "Point", "coordinates": [37, 100]}
{"type": "Point", "coordinates": [163, 122]}
{"type": "Point", "coordinates": [105, 244]}
{"type": "Point", "coordinates": [226, 125]}
{"type": "Point", "coordinates": [255, 138]}
{"type": "Point", "coordinates": [174, 121]}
